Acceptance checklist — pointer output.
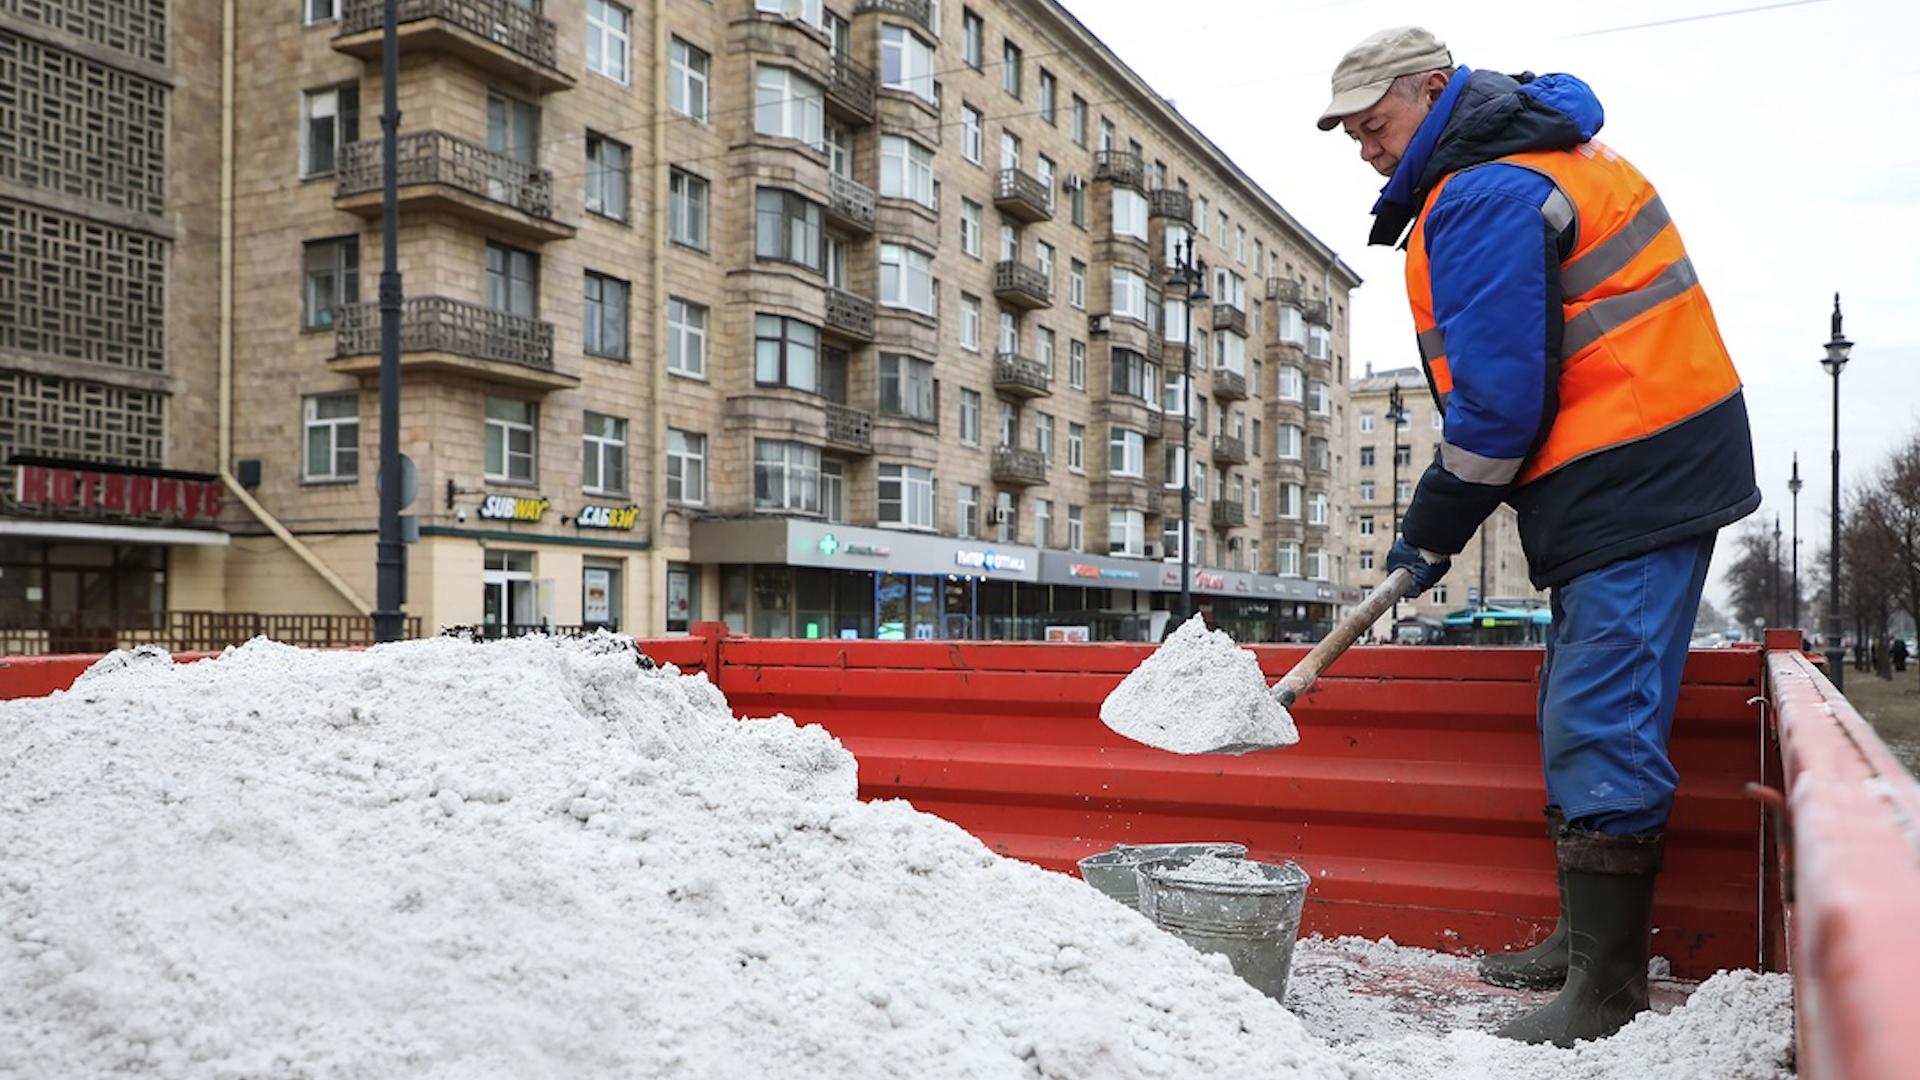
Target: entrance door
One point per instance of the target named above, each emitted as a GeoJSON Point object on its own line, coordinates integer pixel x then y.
{"type": "Point", "coordinates": [956, 609]}
{"type": "Point", "coordinates": [509, 604]}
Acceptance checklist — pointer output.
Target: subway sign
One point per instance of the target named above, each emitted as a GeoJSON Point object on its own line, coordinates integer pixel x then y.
{"type": "Point", "coordinates": [607, 517]}
{"type": "Point", "coordinates": [514, 508]}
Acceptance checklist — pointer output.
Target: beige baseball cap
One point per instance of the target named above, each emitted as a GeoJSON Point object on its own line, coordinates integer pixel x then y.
{"type": "Point", "coordinates": [1369, 68]}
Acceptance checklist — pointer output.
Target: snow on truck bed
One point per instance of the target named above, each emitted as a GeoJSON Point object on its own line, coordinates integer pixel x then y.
{"type": "Point", "coordinates": [533, 858]}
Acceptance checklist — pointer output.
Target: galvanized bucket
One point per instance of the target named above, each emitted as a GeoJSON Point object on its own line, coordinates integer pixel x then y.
{"type": "Point", "coordinates": [1252, 923]}
{"type": "Point", "coordinates": [1115, 872]}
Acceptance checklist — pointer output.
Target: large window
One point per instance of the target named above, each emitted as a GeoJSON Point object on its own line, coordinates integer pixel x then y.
{"type": "Point", "coordinates": [608, 162]}
{"type": "Point", "coordinates": [786, 352]}
{"type": "Point", "coordinates": [513, 280]}
{"type": "Point", "coordinates": [1078, 112]}
{"type": "Point", "coordinates": [788, 105]}
{"type": "Point", "coordinates": [1077, 284]}
{"type": "Point", "coordinates": [1077, 528]}
{"type": "Point", "coordinates": [330, 121]}
{"type": "Point", "coordinates": [1076, 447]}
{"type": "Point", "coordinates": [686, 338]}
{"type": "Point", "coordinates": [1317, 401]}
{"type": "Point", "coordinates": [787, 227]}
{"type": "Point", "coordinates": [906, 496]}
{"type": "Point", "coordinates": [1043, 435]}
{"type": "Point", "coordinates": [1010, 60]}
{"type": "Point", "coordinates": [969, 322]}
{"type": "Point", "coordinates": [1229, 288]}
{"type": "Point", "coordinates": [1077, 364]}
{"type": "Point", "coordinates": [906, 170]}
{"type": "Point", "coordinates": [1286, 561]}
{"type": "Point", "coordinates": [686, 467]}
{"type": "Point", "coordinates": [333, 437]}
{"type": "Point", "coordinates": [511, 440]}
{"type": "Point", "coordinates": [1289, 325]}
{"type": "Point", "coordinates": [1317, 508]}
{"type": "Point", "coordinates": [811, 12]}
{"type": "Point", "coordinates": [603, 447]}
{"type": "Point", "coordinates": [1293, 384]}
{"type": "Point", "coordinates": [786, 476]}
{"type": "Point", "coordinates": [1289, 498]}
{"type": "Point", "coordinates": [973, 39]}
{"type": "Point", "coordinates": [1230, 352]}
{"type": "Point", "coordinates": [971, 134]}
{"type": "Point", "coordinates": [968, 527]}
{"type": "Point", "coordinates": [1129, 295]}
{"type": "Point", "coordinates": [604, 323]}
{"type": "Point", "coordinates": [1288, 441]}
{"type": "Point", "coordinates": [1134, 375]}
{"type": "Point", "coordinates": [608, 28]}
{"type": "Point", "coordinates": [1126, 453]}
{"type": "Point", "coordinates": [1129, 213]}
{"type": "Point", "coordinates": [906, 278]}
{"type": "Point", "coordinates": [687, 209]}
{"type": "Point", "coordinates": [970, 217]}
{"type": "Point", "coordinates": [970, 417]}
{"type": "Point", "coordinates": [1126, 532]}
{"type": "Point", "coordinates": [690, 73]}
{"type": "Point", "coordinates": [1049, 97]}
{"type": "Point", "coordinates": [906, 387]}
{"type": "Point", "coordinates": [332, 270]}
{"type": "Point", "coordinates": [906, 62]}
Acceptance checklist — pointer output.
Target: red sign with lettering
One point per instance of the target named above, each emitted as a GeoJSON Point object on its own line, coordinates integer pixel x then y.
{"type": "Point", "coordinates": [127, 493]}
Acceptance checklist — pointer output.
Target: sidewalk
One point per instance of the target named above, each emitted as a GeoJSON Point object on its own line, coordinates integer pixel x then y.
{"type": "Point", "coordinates": [1893, 708]}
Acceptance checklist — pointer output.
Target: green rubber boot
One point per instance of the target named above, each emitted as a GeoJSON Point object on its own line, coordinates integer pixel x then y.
{"type": "Point", "coordinates": [1544, 965]}
{"type": "Point", "coordinates": [1609, 935]}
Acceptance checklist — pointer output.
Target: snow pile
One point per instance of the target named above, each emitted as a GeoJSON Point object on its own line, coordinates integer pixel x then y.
{"type": "Point", "coordinates": [1212, 869]}
{"type": "Point", "coordinates": [441, 859]}
{"type": "Point", "coordinates": [1196, 693]}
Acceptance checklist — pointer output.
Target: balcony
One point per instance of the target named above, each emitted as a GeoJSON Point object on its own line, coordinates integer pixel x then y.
{"type": "Point", "coordinates": [1228, 514]}
{"type": "Point", "coordinates": [920, 11]}
{"type": "Point", "coordinates": [850, 428]}
{"type": "Point", "coordinates": [438, 172]}
{"type": "Point", "coordinates": [1229, 450]}
{"type": "Point", "coordinates": [1156, 346]}
{"type": "Point", "coordinates": [1119, 166]}
{"type": "Point", "coordinates": [851, 89]}
{"type": "Point", "coordinates": [1170, 203]}
{"type": "Point", "coordinates": [1229, 317]}
{"type": "Point", "coordinates": [508, 39]}
{"type": "Point", "coordinates": [1229, 385]}
{"type": "Point", "coordinates": [439, 333]}
{"type": "Point", "coordinates": [849, 314]}
{"type": "Point", "coordinates": [1020, 377]}
{"type": "Point", "coordinates": [1283, 291]}
{"type": "Point", "coordinates": [1318, 313]}
{"type": "Point", "coordinates": [1156, 425]}
{"type": "Point", "coordinates": [850, 204]}
{"type": "Point", "coordinates": [1021, 285]}
{"type": "Point", "coordinates": [1022, 197]}
{"type": "Point", "coordinates": [1017, 466]}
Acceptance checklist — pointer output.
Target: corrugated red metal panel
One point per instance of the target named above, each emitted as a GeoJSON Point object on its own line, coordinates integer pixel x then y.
{"type": "Point", "coordinates": [1855, 815]}
{"type": "Point", "coordinates": [1413, 798]}
{"type": "Point", "coordinates": [38, 676]}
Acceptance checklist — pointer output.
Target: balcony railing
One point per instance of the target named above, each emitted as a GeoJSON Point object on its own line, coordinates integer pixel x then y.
{"type": "Point", "coordinates": [443, 324]}
{"type": "Point", "coordinates": [850, 202]}
{"type": "Point", "coordinates": [1020, 376]}
{"type": "Point", "coordinates": [1229, 385]}
{"type": "Point", "coordinates": [1156, 346]}
{"type": "Point", "coordinates": [850, 314]}
{"type": "Point", "coordinates": [39, 633]}
{"type": "Point", "coordinates": [510, 24]}
{"type": "Point", "coordinates": [1228, 514]}
{"type": "Point", "coordinates": [1282, 290]}
{"type": "Point", "coordinates": [1170, 203]}
{"type": "Point", "coordinates": [435, 157]}
{"type": "Point", "coordinates": [852, 86]}
{"type": "Point", "coordinates": [1156, 425]}
{"type": "Point", "coordinates": [1022, 285]}
{"type": "Point", "coordinates": [849, 427]}
{"type": "Point", "coordinates": [1229, 449]}
{"type": "Point", "coordinates": [1318, 312]}
{"type": "Point", "coordinates": [1024, 197]}
{"type": "Point", "coordinates": [920, 11]}
{"type": "Point", "coordinates": [1119, 166]}
{"type": "Point", "coordinates": [1017, 465]}
{"type": "Point", "coordinates": [1229, 317]}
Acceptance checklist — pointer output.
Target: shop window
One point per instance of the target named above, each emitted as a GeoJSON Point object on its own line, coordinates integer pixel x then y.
{"type": "Point", "coordinates": [600, 594]}
{"type": "Point", "coordinates": [510, 602]}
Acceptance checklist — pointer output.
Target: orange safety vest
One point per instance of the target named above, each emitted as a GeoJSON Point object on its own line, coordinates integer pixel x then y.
{"type": "Point", "coordinates": [1640, 352]}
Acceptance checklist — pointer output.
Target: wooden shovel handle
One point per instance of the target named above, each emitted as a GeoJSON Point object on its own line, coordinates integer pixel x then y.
{"type": "Point", "coordinates": [1295, 682]}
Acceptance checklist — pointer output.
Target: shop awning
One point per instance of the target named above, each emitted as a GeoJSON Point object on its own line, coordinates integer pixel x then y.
{"type": "Point", "coordinates": [101, 533]}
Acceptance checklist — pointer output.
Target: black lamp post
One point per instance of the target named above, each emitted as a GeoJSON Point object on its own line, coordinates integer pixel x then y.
{"type": "Point", "coordinates": [1794, 485]}
{"type": "Point", "coordinates": [1189, 276]}
{"type": "Point", "coordinates": [1396, 412]}
{"type": "Point", "coordinates": [389, 551]}
{"type": "Point", "coordinates": [1774, 589]}
{"type": "Point", "coordinates": [1838, 351]}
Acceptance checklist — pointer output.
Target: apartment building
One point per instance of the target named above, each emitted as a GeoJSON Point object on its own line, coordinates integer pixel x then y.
{"type": "Point", "coordinates": [1386, 466]}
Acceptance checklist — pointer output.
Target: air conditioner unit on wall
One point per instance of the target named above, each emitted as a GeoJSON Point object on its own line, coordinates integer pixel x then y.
{"type": "Point", "coordinates": [1099, 324]}
{"type": "Point", "coordinates": [1075, 182]}
{"type": "Point", "coordinates": [1002, 515]}
{"type": "Point", "coordinates": [1152, 551]}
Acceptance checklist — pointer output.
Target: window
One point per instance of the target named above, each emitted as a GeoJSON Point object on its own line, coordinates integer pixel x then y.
{"type": "Point", "coordinates": [1292, 383]}
{"type": "Point", "coordinates": [1366, 525]}
{"type": "Point", "coordinates": [686, 338]}
{"type": "Point", "coordinates": [1133, 374]}
{"type": "Point", "coordinates": [1406, 420]}
{"type": "Point", "coordinates": [833, 491]}
{"type": "Point", "coordinates": [972, 136]}
{"type": "Point", "coordinates": [810, 12]}
{"type": "Point", "coordinates": [906, 496]}
{"type": "Point", "coordinates": [1006, 518]}
{"type": "Point", "coordinates": [1177, 237]}
{"type": "Point", "coordinates": [1126, 453]}
{"type": "Point", "coordinates": [787, 228]}
{"type": "Point", "coordinates": [1172, 459]}
{"type": "Point", "coordinates": [1200, 213]}
{"type": "Point", "coordinates": [1317, 402]}
{"type": "Point", "coordinates": [1049, 97]}
{"type": "Point", "coordinates": [1077, 284]}
{"type": "Point", "coordinates": [1107, 134]}
{"type": "Point", "coordinates": [1009, 423]}
{"type": "Point", "coordinates": [513, 280]}
{"type": "Point", "coordinates": [1289, 506]}
{"type": "Point", "coordinates": [687, 210]}
{"type": "Point", "coordinates": [1046, 351]}
{"type": "Point", "coordinates": [1440, 593]}
{"type": "Point", "coordinates": [332, 270]}
{"type": "Point", "coordinates": [1043, 261]}
{"type": "Point", "coordinates": [786, 476]}
{"type": "Point", "coordinates": [608, 161]}
{"type": "Point", "coordinates": [1317, 342]}
{"type": "Point", "coordinates": [604, 324]}
{"type": "Point", "coordinates": [969, 322]}
{"type": "Point", "coordinates": [968, 527]}
{"type": "Point", "coordinates": [1076, 528]}
{"type": "Point", "coordinates": [1230, 353]}
{"type": "Point", "coordinates": [1368, 492]}
{"type": "Point", "coordinates": [973, 39]}
{"type": "Point", "coordinates": [788, 105]}
{"type": "Point", "coordinates": [333, 437]}
{"type": "Point", "coordinates": [331, 123]}
{"type": "Point", "coordinates": [603, 464]}
{"type": "Point", "coordinates": [1317, 508]}
{"type": "Point", "coordinates": [690, 70]}
{"type": "Point", "coordinates": [786, 352]}
{"type": "Point", "coordinates": [970, 417]}
{"type": "Point", "coordinates": [686, 467]}
{"type": "Point", "coordinates": [1010, 60]}
{"type": "Point", "coordinates": [1129, 299]}
{"type": "Point", "coordinates": [1077, 364]}
{"type": "Point", "coordinates": [1317, 564]}
{"type": "Point", "coordinates": [906, 62]}
{"type": "Point", "coordinates": [1129, 213]}
{"type": "Point", "coordinates": [970, 227]}
{"type": "Point", "coordinates": [607, 31]}
{"type": "Point", "coordinates": [1220, 230]}
{"type": "Point", "coordinates": [1043, 522]}
{"type": "Point", "coordinates": [1079, 114]}
{"type": "Point", "coordinates": [510, 440]}
{"type": "Point", "coordinates": [1126, 533]}
{"type": "Point", "coordinates": [1076, 448]}
{"type": "Point", "coordinates": [1404, 491]}
{"type": "Point", "coordinates": [906, 278]}
{"type": "Point", "coordinates": [1009, 339]}
{"type": "Point", "coordinates": [906, 170]}
{"type": "Point", "coordinates": [1240, 243]}
{"type": "Point", "coordinates": [1289, 441]}
{"type": "Point", "coordinates": [1286, 560]}
{"type": "Point", "coordinates": [839, 151]}
{"type": "Point", "coordinates": [1289, 326]}
{"type": "Point", "coordinates": [1043, 436]}
{"type": "Point", "coordinates": [1366, 421]}
{"type": "Point", "coordinates": [1253, 499]}
{"type": "Point", "coordinates": [1077, 205]}
{"type": "Point", "coordinates": [906, 387]}
{"type": "Point", "coordinates": [1366, 457]}
{"type": "Point", "coordinates": [320, 11]}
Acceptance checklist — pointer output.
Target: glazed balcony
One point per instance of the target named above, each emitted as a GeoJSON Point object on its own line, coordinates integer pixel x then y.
{"type": "Point", "coordinates": [1170, 203]}
{"type": "Point", "coordinates": [1228, 514]}
{"type": "Point", "coordinates": [1022, 197]}
{"type": "Point", "coordinates": [1229, 317]}
{"type": "Point", "coordinates": [506, 39]}
{"type": "Point", "coordinates": [850, 204]}
{"type": "Point", "coordinates": [1020, 377]}
{"type": "Point", "coordinates": [850, 428]}
{"type": "Point", "coordinates": [849, 314]}
{"type": "Point", "coordinates": [1229, 450]}
{"type": "Point", "coordinates": [439, 333]}
{"type": "Point", "coordinates": [1017, 466]}
{"type": "Point", "coordinates": [852, 89]}
{"type": "Point", "coordinates": [1119, 166]}
{"type": "Point", "coordinates": [1229, 385]}
{"type": "Point", "coordinates": [438, 172]}
{"type": "Point", "coordinates": [1021, 285]}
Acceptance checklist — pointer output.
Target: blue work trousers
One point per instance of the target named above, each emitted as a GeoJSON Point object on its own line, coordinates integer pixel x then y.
{"type": "Point", "coordinates": [1615, 653]}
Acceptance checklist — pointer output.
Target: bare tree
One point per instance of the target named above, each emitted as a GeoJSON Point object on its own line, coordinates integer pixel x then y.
{"type": "Point", "coordinates": [1889, 511]}
{"type": "Point", "coordinates": [1754, 579]}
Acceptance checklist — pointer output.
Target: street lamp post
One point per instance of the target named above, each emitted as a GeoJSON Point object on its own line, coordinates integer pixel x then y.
{"type": "Point", "coordinates": [1793, 485]}
{"type": "Point", "coordinates": [1190, 276]}
{"type": "Point", "coordinates": [389, 552]}
{"type": "Point", "coordinates": [1839, 349]}
{"type": "Point", "coordinates": [1396, 411]}
{"type": "Point", "coordinates": [1774, 598]}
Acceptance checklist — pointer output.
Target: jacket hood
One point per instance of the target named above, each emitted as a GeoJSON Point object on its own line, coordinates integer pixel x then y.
{"type": "Point", "coordinates": [1482, 116]}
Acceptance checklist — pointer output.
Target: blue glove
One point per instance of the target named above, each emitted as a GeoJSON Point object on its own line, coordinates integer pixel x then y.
{"type": "Point", "coordinates": [1426, 573]}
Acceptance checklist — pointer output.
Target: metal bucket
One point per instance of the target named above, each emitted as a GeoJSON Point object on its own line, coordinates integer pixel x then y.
{"type": "Point", "coordinates": [1251, 923]}
{"type": "Point", "coordinates": [1115, 872]}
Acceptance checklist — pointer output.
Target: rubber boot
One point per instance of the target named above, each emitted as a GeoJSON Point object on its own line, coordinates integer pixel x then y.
{"type": "Point", "coordinates": [1609, 935]}
{"type": "Point", "coordinates": [1544, 965]}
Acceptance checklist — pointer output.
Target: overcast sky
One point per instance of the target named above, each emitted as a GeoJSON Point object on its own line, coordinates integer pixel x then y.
{"type": "Point", "coordinates": [1782, 139]}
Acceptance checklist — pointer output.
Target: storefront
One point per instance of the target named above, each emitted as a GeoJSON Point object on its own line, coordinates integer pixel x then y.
{"type": "Point", "coordinates": [1251, 607]}
{"type": "Point", "coordinates": [520, 563]}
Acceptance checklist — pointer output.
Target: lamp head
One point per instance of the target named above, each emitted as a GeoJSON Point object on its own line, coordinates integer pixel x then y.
{"type": "Point", "coordinates": [1839, 349]}
{"type": "Point", "coordinates": [1793, 482]}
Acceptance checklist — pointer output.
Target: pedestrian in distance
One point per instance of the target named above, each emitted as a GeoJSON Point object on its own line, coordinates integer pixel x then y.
{"type": "Point", "coordinates": [1899, 653]}
{"type": "Point", "coordinates": [1582, 379]}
